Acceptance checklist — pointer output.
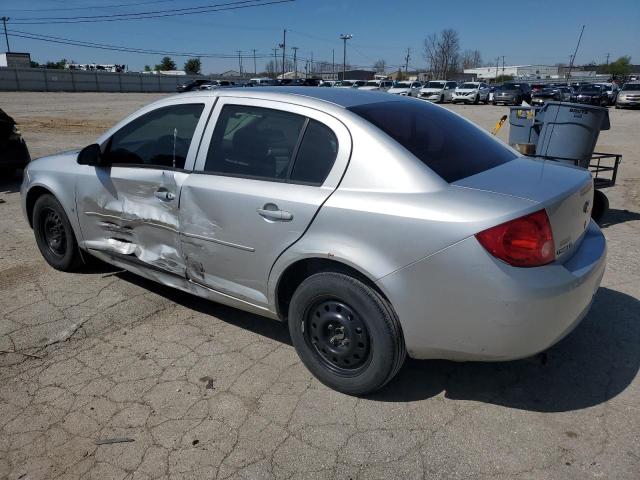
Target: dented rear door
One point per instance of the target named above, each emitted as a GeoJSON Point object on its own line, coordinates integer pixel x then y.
{"type": "Point", "coordinates": [247, 200]}
{"type": "Point", "coordinates": [130, 207]}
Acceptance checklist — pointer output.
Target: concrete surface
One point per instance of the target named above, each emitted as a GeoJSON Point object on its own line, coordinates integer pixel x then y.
{"type": "Point", "coordinates": [205, 391]}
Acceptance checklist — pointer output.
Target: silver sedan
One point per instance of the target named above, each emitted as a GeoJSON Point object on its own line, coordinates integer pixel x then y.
{"type": "Point", "coordinates": [375, 225]}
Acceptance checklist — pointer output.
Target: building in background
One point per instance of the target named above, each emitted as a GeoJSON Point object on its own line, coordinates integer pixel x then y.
{"type": "Point", "coordinates": [515, 71]}
{"type": "Point", "coordinates": [15, 60]}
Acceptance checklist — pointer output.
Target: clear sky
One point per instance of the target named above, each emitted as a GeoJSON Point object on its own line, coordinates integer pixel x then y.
{"type": "Point", "coordinates": [541, 31]}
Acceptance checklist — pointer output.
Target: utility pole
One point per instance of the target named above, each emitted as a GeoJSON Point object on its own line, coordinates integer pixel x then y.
{"type": "Point", "coordinates": [275, 63]}
{"type": "Point", "coordinates": [573, 57]}
{"type": "Point", "coordinates": [240, 61]}
{"type": "Point", "coordinates": [607, 56]}
{"type": "Point", "coordinates": [6, 37]}
{"type": "Point", "coordinates": [283, 46]}
{"type": "Point", "coordinates": [497, 62]}
{"type": "Point", "coordinates": [406, 63]}
{"type": "Point", "coordinates": [344, 37]}
{"type": "Point", "coordinates": [333, 63]}
{"type": "Point", "coordinates": [255, 69]}
{"type": "Point", "coordinates": [295, 63]}
{"type": "Point", "coordinates": [502, 66]}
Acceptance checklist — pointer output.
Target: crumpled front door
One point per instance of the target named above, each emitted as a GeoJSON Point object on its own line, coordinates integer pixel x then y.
{"type": "Point", "coordinates": [132, 212]}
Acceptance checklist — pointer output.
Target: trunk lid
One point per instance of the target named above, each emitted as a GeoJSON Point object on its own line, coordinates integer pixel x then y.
{"type": "Point", "coordinates": [565, 192]}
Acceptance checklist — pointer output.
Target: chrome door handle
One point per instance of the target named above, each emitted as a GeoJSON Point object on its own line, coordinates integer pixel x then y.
{"type": "Point", "coordinates": [164, 195]}
{"type": "Point", "coordinates": [270, 211]}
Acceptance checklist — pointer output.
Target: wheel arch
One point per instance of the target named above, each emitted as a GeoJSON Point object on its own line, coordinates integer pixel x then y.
{"type": "Point", "coordinates": [33, 194]}
{"type": "Point", "coordinates": [296, 272]}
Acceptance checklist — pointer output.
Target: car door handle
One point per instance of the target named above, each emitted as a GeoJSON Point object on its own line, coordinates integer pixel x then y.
{"type": "Point", "coordinates": [270, 211]}
{"type": "Point", "coordinates": [164, 195]}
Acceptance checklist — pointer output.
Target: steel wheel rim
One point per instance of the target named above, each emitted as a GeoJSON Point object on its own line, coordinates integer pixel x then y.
{"type": "Point", "coordinates": [53, 232]}
{"type": "Point", "coordinates": [337, 336]}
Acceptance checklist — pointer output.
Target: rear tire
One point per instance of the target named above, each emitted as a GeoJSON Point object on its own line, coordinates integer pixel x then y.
{"type": "Point", "coordinates": [476, 100]}
{"type": "Point", "coordinates": [54, 235]}
{"type": "Point", "coordinates": [600, 206]}
{"type": "Point", "coordinates": [345, 333]}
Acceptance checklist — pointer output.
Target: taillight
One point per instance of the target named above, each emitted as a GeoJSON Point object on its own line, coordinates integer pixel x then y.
{"type": "Point", "coordinates": [524, 242]}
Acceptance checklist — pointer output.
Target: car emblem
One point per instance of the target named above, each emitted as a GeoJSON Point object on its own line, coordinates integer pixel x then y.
{"type": "Point", "coordinates": [585, 207]}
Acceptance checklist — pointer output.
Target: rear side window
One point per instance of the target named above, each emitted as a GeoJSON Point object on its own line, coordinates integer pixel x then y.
{"type": "Point", "coordinates": [316, 155]}
{"type": "Point", "coordinates": [449, 145]}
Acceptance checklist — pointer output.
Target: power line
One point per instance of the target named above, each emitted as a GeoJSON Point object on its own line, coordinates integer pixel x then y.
{"type": "Point", "coordinates": [237, 5]}
{"type": "Point", "coordinates": [92, 7]}
{"type": "Point", "coordinates": [104, 46]}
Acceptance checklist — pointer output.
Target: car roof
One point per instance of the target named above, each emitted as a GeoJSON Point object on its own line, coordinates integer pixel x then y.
{"type": "Point", "coordinates": [309, 95]}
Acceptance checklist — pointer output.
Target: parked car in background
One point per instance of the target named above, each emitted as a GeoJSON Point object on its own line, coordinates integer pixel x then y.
{"type": "Point", "coordinates": [591, 94]}
{"type": "Point", "coordinates": [612, 91]}
{"type": "Point", "coordinates": [377, 85]}
{"type": "Point", "coordinates": [438, 90]}
{"type": "Point", "coordinates": [545, 95]}
{"type": "Point", "coordinates": [261, 82]}
{"type": "Point", "coordinates": [359, 83]}
{"type": "Point", "coordinates": [213, 84]}
{"type": "Point", "coordinates": [565, 93]}
{"type": "Point", "coordinates": [629, 95]}
{"type": "Point", "coordinates": [538, 87]}
{"type": "Point", "coordinates": [327, 83]}
{"type": "Point", "coordinates": [14, 154]}
{"type": "Point", "coordinates": [193, 85]}
{"type": "Point", "coordinates": [512, 94]}
{"type": "Point", "coordinates": [344, 84]}
{"type": "Point", "coordinates": [492, 90]}
{"type": "Point", "coordinates": [409, 89]}
{"type": "Point", "coordinates": [471, 92]}
{"type": "Point", "coordinates": [373, 224]}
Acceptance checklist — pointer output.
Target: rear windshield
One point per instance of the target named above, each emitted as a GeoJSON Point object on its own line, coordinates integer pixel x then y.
{"type": "Point", "coordinates": [631, 86]}
{"type": "Point", "coordinates": [449, 145]}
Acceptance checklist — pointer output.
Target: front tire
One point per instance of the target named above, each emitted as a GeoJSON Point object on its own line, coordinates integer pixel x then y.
{"type": "Point", "coordinates": [54, 235]}
{"type": "Point", "coordinates": [345, 333]}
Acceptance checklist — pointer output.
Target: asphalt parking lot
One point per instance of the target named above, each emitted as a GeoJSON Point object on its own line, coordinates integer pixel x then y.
{"type": "Point", "coordinates": [206, 391]}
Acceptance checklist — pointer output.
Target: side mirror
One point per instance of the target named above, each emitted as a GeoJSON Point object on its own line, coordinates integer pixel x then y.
{"type": "Point", "coordinates": [91, 155]}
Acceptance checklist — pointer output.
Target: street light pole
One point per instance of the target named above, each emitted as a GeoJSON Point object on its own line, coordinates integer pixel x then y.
{"type": "Point", "coordinates": [6, 37]}
{"type": "Point", "coordinates": [275, 63]}
{"type": "Point", "coordinates": [344, 37]}
{"type": "Point", "coordinates": [333, 64]}
{"type": "Point", "coordinates": [283, 46]}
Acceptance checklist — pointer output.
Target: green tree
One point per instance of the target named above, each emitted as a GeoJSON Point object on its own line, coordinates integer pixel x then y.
{"type": "Point", "coordinates": [166, 64]}
{"type": "Point", "coordinates": [193, 66]}
{"type": "Point", "coordinates": [59, 65]}
{"type": "Point", "coordinates": [147, 68]}
{"type": "Point", "coordinates": [621, 67]}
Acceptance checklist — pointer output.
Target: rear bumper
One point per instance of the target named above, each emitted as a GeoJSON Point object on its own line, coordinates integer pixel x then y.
{"type": "Point", "coordinates": [463, 304]}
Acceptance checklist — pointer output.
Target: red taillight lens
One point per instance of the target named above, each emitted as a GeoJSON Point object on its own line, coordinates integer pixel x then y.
{"type": "Point", "coordinates": [523, 242]}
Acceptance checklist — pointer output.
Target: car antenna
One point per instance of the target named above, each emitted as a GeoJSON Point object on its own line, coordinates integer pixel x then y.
{"type": "Point", "coordinates": [175, 136]}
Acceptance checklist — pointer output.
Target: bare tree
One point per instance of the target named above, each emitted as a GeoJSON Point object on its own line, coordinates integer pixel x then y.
{"type": "Point", "coordinates": [380, 66]}
{"type": "Point", "coordinates": [471, 59]}
{"type": "Point", "coordinates": [442, 52]}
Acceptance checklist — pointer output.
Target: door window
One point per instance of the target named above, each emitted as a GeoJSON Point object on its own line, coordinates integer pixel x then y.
{"type": "Point", "coordinates": [158, 138]}
{"type": "Point", "coordinates": [254, 142]}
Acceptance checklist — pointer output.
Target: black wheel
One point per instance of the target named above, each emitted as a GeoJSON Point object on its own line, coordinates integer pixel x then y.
{"type": "Point", "coordinates": [600, 206]}
{"type": "Point", "coordinates": [54, 234]}
{"type": "Point", "coordinates": [441, 99]}
{"type": "Point", "coordinates": [476, 100]}
{"type": "Point", "coordinates": [494, 103]}
{"type": "Point", "coordinates": [346, 333]}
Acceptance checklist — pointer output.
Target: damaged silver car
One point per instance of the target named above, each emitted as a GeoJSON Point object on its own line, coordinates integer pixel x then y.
{"type": "Point", "coordinates": [375, 225]}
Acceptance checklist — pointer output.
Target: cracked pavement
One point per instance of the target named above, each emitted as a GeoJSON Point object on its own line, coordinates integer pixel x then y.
{"type": "Point", "coordinates": [206, 391]}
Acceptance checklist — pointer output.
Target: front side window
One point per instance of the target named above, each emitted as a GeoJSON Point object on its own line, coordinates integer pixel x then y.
{"type": "Point", "coordinates": [254, 142]}
{"type": "Point", "coordinates": [158, 138]}
{"type": "Point", "coordinates": [433, 134]}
